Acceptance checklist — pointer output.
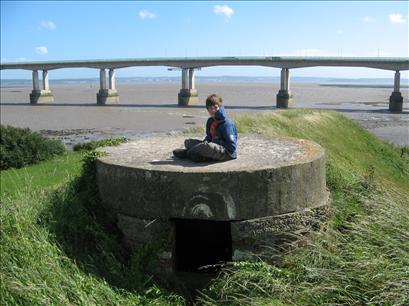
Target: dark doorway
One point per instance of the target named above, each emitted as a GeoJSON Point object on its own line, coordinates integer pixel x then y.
{"type": "Point", "coordinates": [201, 243]}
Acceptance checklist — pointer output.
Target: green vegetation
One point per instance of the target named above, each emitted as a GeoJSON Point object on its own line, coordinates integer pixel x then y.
{"type": "Point", "coordinates": [361, 255]}
{"type": "Point", "coordinates": [92, 145]}
{"type": "Point", "coordinates": [404, 151]}
{"type": "Point", "coordinates": [21, 147]}
{"type": "Point", "coordinates": [46, 175]}
{"type": "Point", "coordinates": [57, 248]}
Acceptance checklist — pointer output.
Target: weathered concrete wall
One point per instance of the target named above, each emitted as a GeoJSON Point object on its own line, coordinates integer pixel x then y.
{"type": "Point", "coordinates": [262, 182]}
{"type": "Point", "coordinates": [271, 235]}
{"type": "Point", "coordinates": [273, 192]}
{"type": "Point", "coordinates": [268, 235]}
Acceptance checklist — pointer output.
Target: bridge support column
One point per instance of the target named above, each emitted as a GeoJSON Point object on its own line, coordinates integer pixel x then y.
{"type": "Point", "coordinates": [107, 95]}
{"type": "Point", "coordinates": [396, 99]}
{"type": "Point", "coordinates": [188, 93]}
{"type": "Point", "coordinates": [284, 96]}
{"type": "Point", "coordinates": [43, 95]}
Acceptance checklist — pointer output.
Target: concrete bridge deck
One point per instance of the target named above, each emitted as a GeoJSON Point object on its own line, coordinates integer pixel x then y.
{"type": "Point", "coordinates": [188, 93]}
{"type": "Point", "coordinates": [200, 62]}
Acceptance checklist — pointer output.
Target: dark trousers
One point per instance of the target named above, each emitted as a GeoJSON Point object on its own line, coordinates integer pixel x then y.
{"type": "Point", "coordinates": [199, 150]}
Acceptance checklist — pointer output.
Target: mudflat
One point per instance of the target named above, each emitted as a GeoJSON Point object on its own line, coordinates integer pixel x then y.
{"type": "Point", "coordinates": [150, 108]}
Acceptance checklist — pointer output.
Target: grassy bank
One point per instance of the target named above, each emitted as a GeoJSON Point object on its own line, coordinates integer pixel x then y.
{"type": "Point", "coordinates": [35, 178]}
{"type": "Point", "coordinates": [361, 255]}
{"type": "Point", "coordinates": [55, 250]}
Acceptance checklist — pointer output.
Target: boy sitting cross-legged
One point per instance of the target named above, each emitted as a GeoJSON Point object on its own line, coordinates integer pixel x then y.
{"type": "Point", "coordinates": [220, 143]}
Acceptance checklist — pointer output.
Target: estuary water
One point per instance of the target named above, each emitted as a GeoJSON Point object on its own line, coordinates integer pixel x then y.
{"type": "Point", "coordinates": [150, 107]}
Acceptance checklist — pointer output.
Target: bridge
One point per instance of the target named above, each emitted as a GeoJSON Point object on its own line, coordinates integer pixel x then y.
{"type": "Point", "coordinates": [108, 93]}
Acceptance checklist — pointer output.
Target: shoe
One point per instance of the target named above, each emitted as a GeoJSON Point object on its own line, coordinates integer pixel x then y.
{"type": "Point", "coordinates": [180, 153]}
{"type": "Point", "coordinates": [198, 158]}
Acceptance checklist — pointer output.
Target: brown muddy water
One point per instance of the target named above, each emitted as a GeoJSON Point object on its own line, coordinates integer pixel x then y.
{"type": "Point", "coordinates": [151, 108]}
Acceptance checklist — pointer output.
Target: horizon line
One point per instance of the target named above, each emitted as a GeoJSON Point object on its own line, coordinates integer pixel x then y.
{"type": "Point", "coordinates": [215, 76]}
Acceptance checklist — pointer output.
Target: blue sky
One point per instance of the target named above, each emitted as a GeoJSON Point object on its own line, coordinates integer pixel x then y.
{"type": "Point", "coordinates": [35, 30]}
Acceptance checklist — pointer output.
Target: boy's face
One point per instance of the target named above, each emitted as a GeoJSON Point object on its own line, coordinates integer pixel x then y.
{"type": "Point", "coordinates": [213, 109]}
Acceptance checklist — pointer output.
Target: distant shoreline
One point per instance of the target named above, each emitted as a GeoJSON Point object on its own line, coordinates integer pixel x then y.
{"type": "Point", "coordinates": [405, 86]}
{"type": "Point", "coordinates": [338, 82]}
{"type": "Point", "coordinates": [150, 107]}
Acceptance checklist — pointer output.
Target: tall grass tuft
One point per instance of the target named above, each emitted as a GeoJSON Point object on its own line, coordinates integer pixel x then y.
{"type": "Point", "coordinates": [92, 145]}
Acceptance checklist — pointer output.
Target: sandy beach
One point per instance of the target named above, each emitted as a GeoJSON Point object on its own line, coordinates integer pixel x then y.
{"type": "Point", "coordinates": [149, 108]}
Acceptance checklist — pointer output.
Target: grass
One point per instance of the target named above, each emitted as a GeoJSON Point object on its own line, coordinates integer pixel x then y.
{"type": "Point", "coordinates": [364, 262]}
{"type": "Point", "coordinates": [353, 149]}
{"type": "Point", "coordinates": [92, 145]}
{"type": "Point", "coordinates": [361, 255]}
{"type": "Point", "coordinates": [48, 174]}
{"type": "Point", "coordinates": [56, 249]}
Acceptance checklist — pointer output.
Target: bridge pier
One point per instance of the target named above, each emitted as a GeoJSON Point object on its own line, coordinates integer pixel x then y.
{"type": "Point", "coordinates": [43, 95]}
{"type": "Point", "coordinates": [396, 99]}
{"type": "Point", "coordinates": [107, 95]}
{"type": "Point", "coordinates": [284, 96]}
{"type": "Point", "coordinates": [188, 94]}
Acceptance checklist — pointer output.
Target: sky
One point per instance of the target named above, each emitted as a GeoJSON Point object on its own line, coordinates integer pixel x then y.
{"type": "Point", "coordinates": [78, 30]}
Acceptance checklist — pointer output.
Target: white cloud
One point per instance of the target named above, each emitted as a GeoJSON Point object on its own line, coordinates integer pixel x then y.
{"type": "Point", "coordinates": [225, 10]}
{"type": "Point", "coordinates": [397, 18]}
{"type": "Point", "coordinates": [367, 19]}
{"type": "Point", "coordinates": [48, 25]}
{"type": "Point", "coordinates": [41, 50]}
{"type": "Point", "coordinates": [145, 14]}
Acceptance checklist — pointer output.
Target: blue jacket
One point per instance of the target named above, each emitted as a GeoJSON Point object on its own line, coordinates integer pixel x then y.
{"type": "Point", "coordinates": [226, 132]}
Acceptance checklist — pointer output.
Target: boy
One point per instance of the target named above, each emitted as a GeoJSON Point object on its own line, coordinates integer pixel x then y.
{"type": "Point", "coordinates": [220, 143]}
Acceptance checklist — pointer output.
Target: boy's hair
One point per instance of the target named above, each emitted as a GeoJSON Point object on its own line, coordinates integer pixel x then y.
{"type": "Point", "coordinates": [214, 100]}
